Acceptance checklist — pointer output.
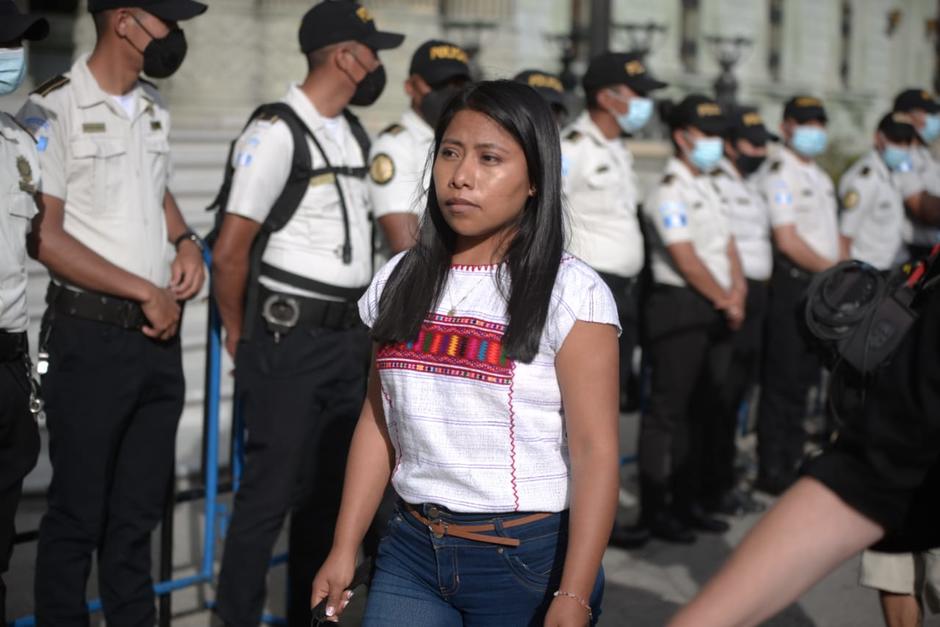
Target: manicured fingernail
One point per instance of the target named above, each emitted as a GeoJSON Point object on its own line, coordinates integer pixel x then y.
{"type": "Point", "coordinates": [350, 594]}
{"type": "Point", "coordinates": [330, 610]}
{"type": "Point", "coordinates": [345, 603]}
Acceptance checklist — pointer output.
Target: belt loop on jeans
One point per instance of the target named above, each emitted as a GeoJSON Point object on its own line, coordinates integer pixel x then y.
{"type": "Point", "coordinates": [475, 533]}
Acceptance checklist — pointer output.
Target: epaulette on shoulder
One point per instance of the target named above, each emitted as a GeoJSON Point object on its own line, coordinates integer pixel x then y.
{"type": "Point", "coordinates": [392, 129]}
{"type": "Point", "coordinates": [775, 166]}
{"type": "Point", "coordinates": [54, 83]}
{"type": "Point", "coordinates": [865, 171]}
{"type": "Point", "coordinates": [668, 179]}
{"type": "Point", "coordinates": [267, 116]}
{"type": "Point", "coordinates": [574, 135]}
{"type": "Point", "coordinates": [149, 83]}
{"type": "Point", "coordinates": [20, 124]}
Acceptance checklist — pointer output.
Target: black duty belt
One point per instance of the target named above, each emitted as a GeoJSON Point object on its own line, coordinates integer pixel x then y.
{"type": "Point", "coordinates": [782, 264]}
{"type": "Point", "coordinates": [282, 312]}
{"type": "Point", "coordinates": [12, 346]}
{"type": "Point", "coordinates": [120, 312]}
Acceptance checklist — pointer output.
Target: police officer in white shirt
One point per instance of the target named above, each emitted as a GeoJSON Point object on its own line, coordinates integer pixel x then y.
{"type": "Point", "coordinates": [696, 301]}
{"type": "Point", "coordinates": [745, 150]}
{"type": "Point", "coordinates": [600, 184]}
{"type": "Point", "coordinates": [871, 222]}
{"type": "Point", "coordinates": [803, 217]}
{"type": "Point", "coordinates": [107, 229]}
{"type": "Point", "coordinates": [19, 178]}
{"type": "Point", "coordinates": [398, 174]}
{"type": "Point", "coordinates": [922, 190]}
{"type": "Point", "coordinates": [549, 87]}
{"type": "Point", "coordinates": [302, 352]}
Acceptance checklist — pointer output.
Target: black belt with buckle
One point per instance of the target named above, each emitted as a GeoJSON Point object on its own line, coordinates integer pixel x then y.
{"type": "Point", "coordinates": [120, 312]}
{"type": "Point", "coordinates": [282, 312]}
{"type": "Point", "coordinates": [12, 346]}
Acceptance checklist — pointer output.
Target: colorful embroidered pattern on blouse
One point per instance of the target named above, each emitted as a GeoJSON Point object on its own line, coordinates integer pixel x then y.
{"type": "Point", "coordinates": [452, 346]}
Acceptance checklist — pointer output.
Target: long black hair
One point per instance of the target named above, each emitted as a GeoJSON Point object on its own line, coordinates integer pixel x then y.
{"type": "Point", "coordinates": [532, 257]}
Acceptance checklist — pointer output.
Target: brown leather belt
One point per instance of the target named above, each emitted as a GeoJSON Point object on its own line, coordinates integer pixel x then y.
{"type": "Point", "coordinates": [442, 528]}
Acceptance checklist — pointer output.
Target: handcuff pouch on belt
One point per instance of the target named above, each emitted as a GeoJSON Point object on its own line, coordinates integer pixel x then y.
{"type": "Point", "coordinates": [281, 313]}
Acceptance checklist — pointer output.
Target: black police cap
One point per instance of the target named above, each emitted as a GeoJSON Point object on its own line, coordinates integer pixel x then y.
{"type": "Point", "coordinates": [15, 25]}
{"type": "Point", "coordinates": [620, 68]}
{"type": "Point", "coordinates": [548, 85]}
{"type": "Point", "coordinates": [166, 10]}
{"type": "Point", "coordinates": [911, 99]}
{"type": "Point", "coordinates": [333, 21]}
{"type": "Point", "coordinates": [701, 112]}
{"type": "Point", "coordinates": [747, 123]}
{"type": "Point", "coordinates": [805, 109]}
{"type": "Point", "coordinates": [439, 61]}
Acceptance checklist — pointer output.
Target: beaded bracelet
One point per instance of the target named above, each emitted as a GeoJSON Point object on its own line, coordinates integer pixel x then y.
{"type": "Point", "coordinates": [571, 595]}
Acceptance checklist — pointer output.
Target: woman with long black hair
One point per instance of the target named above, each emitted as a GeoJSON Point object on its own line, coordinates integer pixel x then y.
{"type": "Point", "coordinates": [492, 403]}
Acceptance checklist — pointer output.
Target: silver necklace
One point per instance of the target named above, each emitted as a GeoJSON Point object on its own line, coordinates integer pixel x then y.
{"type": "Point", "coordinates": [453, 306]}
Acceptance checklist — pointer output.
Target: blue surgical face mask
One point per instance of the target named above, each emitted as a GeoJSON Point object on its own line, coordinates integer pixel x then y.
{"type": "Point", "coordinates": [931, 128]}
{"type": "Point", "coordinates": [706, 153]}
{"type": "Point", "coordinates": [639, 112]}
{"type": "Point", "coordinates": [12, 69]}
{"type": "Point", "coordinates": [896, 158]}
{"type": "Point", "coordinates": [810, 141]}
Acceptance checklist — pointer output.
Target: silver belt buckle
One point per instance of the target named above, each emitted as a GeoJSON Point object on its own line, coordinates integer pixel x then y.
{"type": "Point", "coordinates": [281, 313]}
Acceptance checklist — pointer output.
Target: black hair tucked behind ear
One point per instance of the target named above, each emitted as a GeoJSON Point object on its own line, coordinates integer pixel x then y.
{"type": "Point", "coordinates": [532, 258]}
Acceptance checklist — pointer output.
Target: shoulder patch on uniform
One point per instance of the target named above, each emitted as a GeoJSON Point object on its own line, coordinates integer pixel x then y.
{"type": "Point", "coordinates": [865, 171]}
{"type": "Point", "coordinates": [775, 166]}
{"type": "Point", "coordinates": [392, 129]}
{"type": "Point", "coordinates": [850, 199]}
{"type": "Point", "coordinates": [54, 83]}
{"type": "Point", "coordinates": [574, 135]}
{"type": "Point", "coordinates": [668, 179]}
{"type": "Point", "coordinates": [382, 169]}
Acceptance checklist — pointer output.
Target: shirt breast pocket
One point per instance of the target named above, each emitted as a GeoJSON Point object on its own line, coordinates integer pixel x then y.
{"type": "Point", "coordinates": [22, 209]}
{"type": "Point", "coordinates": [321, 202]}
{"type": "Point", "coordinates": [97, 174]}
{"type": "Point", "coordinates": [602, 178]}
{"type": "Point", "coordinates": [158, 162]}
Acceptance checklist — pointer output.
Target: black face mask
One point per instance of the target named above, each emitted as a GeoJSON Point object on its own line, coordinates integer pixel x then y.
{"type": "Point", "coordinates": [748, 164]}
{"type": "Point", "coordinates": [162, 57]}
{"type": "Point", "coordinates": [434, 103]}
{"type": "Point", "coordinates": [369, 88]}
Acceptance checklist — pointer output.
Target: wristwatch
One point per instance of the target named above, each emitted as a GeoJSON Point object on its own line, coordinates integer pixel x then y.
{"type": "Point", "coordinates": [189, 235]}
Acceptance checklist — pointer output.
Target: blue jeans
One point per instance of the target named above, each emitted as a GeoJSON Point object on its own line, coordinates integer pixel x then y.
{"type": "Point", "coordinates": [451, 582]}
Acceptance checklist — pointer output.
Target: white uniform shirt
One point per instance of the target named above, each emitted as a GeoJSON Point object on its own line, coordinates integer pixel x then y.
{"type": "Point", "coordinates": [110, 169]}
{"type": "Point", "coordinates": [927, 176]}
{"type": "Point", "coordinates": [600, 187]}
{"type": "Point", "coordinates": [19, 179]}
{"type": "Point", "coordinates": [472, 429]}
{"type": "Point", "coordinates": [872, 212]}
{"type": "Point", "coordinates": [399, 166]}
{"type": "Point", "coordinates": [749, 221]}
{"type": "Point", "coordinates": [688, 208]}
{"type": "Point", "coordinates": [802, 194]}
{"type": "Point", "coordinates": [311, 243]}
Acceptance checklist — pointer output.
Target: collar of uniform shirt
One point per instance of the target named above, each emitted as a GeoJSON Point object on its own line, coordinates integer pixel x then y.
{"type": "Point", "coordinates": [305, 108]}
{"type": "Point", "coordinates": [87, 91]}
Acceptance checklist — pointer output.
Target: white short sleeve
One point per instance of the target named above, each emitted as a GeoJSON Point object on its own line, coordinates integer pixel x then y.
{"type": "Point", "coordinates": [46, 125]}
{"type": "Point", "coordinates": [262, 160]}
{"type": "Point", "coordinates": [398, 185]}
{"type": "Point", "coordinates": [579, 294]}
{"type": "Point", "coordinates": [778, 192]}
{"type": "Point", "coordinates": [858, 197]}
{"type": "Point", "coordinates": [369, 303]}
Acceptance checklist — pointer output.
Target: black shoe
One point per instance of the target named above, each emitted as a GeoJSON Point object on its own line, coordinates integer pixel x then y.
{"type": "Point", "coordinates": [697, 519]}
{"type": "Point", "coordinates": [632, 537]}
{"type": "Point", "coordinates": [665, 526]}
{"type": "Point", "coordinates": [736, 502]}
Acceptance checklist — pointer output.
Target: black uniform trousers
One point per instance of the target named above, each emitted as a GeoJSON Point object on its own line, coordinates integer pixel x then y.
{"type": "Point", "coordinates": [113, 402]}
{"type": "Point", "coordinates": [790, 367]}
{"type": "Point", "coordinates": [689, 347]}
{"type": "Point", "coordinates": [624, 290]}
{"type": "Point", "coordinates": [19, 448]}
{"type": "Point", "coordinates": [743, 374]}
{"type": "Point", "coordinates": [301, 398]}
